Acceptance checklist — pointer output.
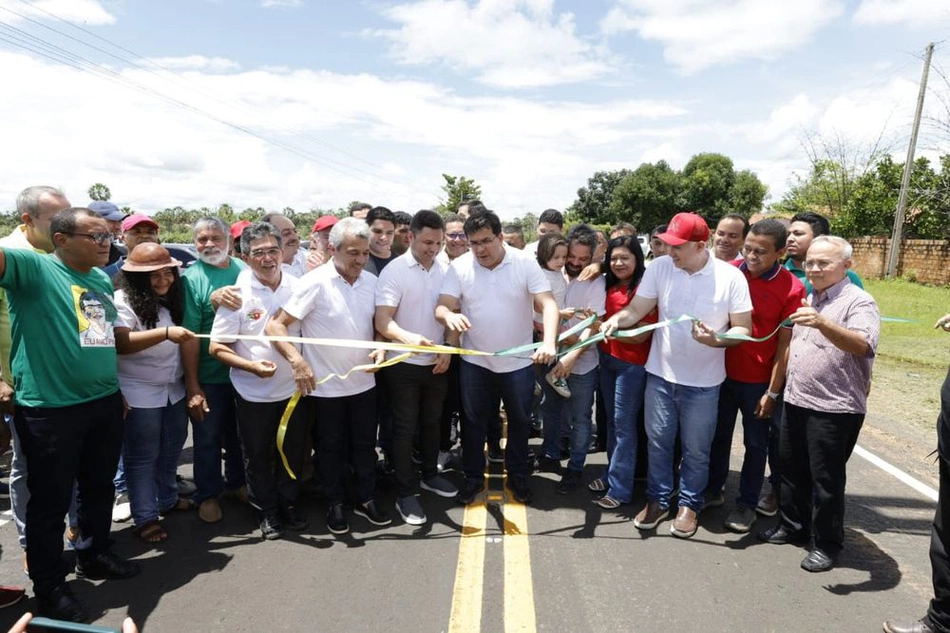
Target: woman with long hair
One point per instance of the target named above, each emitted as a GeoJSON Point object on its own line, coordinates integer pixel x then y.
{"type": "Point", "coordinates": [622, 374]}
{"type": "Point", "coordinates": [149, 299]}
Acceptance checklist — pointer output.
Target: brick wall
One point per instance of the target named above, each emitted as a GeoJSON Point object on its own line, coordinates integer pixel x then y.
{"type": "Point", "coordinates": [925, 261]}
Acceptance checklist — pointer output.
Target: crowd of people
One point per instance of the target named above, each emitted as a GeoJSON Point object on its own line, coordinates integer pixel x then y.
{"type": "Point", "coordinates": [106, 357]}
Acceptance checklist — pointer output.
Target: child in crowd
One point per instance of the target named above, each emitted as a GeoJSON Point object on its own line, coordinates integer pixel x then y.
{"type": "Point", "coordinates": [552, 253]}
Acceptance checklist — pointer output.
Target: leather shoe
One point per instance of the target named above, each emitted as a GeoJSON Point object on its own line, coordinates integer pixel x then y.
{"type": "Point", "coordinates": [292, 518]}
{"type": "Point", "coordinates": [817, 561]}
{"type": "Point", "coordinates": [906, 626]}
{"type": "Point", "coordinates": [104, 565]}
{"type": "Point", "coordinates": [61, 604]}
{"type": "Point", "coordinates": [336, 519]}
{"type": "Point", "coordinates": [779, 535]}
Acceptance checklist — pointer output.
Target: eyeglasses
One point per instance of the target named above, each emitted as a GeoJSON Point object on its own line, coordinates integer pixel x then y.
{"type": "Point", "coordinates": [455, 236]}
{"type": "Point", "coordinates": [482, 243]}
{"type": "Point", "coordinates": [98, 238]}
{"type": "Point", "coordinates": [259, 253]}
{"type": "Point", "coordinates": [820, 264]}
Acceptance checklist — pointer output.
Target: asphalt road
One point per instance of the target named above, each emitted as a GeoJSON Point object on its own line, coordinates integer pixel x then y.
{"type": "Point", "coordinates": [561, 564]}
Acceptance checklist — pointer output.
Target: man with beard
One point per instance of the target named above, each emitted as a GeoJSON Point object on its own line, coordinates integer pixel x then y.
{"type": "Point", "coordinates": [210, 393]}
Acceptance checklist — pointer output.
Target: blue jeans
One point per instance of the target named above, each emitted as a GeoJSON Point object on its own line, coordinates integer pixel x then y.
{"type": "Point", "coordinates": [119, 481]}
{"type": "Point", "coordinates": [481, 389]}
{"type": "Point", "coordinates": [692, 412]}
{"type": "Point", "coordinates": [735, 397]}
{"type": "Point", "coordinates": [151, 445]}
{"type": "Point", "coordinates": [218, 428]}
{"type": "Point", "coordinates": [622, 385]}
{"type": "Point", "coordinates": [580, 413]}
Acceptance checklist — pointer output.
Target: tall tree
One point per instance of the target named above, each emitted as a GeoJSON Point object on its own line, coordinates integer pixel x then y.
{"type": "Point", "coordinates": [99, 191]}
{"type": "Point", "coordinates": [594, 202]}
{"type": "Point", "coordinates": [646, 197]}
{"type": "Point", "coordinates": [457, 190]}
{"type": "Point", "coordinates": [707, 182]}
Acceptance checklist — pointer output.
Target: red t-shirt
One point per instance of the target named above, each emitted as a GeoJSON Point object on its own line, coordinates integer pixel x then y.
{"type": "Point", "coordinates": [776, 294]}
{"type": "Point", "coordinates": [634, 353]}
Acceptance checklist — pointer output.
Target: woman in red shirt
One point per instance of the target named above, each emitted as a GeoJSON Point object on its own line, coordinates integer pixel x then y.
{"type": "Point", "coordinates": [622, 374]}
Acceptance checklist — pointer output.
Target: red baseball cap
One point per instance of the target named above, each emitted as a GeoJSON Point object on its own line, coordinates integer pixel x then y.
{"type": "Point", "coordinates": [685, 227]}
{"type": "Point", "coordinates": [136, 219]}
{"type": "Point", "coordinates": [324, 222]}
{"type": "Point", "coordinates": [238, 227]}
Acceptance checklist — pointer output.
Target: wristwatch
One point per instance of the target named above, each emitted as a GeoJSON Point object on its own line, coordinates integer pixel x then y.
{"type": "Point", "coordinates": [773, 394]}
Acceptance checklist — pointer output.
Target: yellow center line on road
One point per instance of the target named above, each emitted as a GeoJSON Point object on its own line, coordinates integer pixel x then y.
{"type": "Point", "coordinates": [519, 587]}
{"type": "Point", "coordinates": [469, 572]}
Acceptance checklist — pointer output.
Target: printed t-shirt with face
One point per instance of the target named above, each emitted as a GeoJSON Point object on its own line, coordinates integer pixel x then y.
{"type": "Point", "coordinates": [62, 324]}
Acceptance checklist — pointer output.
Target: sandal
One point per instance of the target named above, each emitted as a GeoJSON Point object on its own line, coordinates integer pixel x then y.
{"type": "Point", "coordinates": [597, 485]}
{"type": "Point", "coordinates": [607, 503]}
{"type": "Point", "coordinates": [182, 505]}
{"type": "Point", "coordinates": [151, 532]}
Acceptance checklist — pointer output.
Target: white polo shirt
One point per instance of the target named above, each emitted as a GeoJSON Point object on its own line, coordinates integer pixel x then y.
{"type": "Point", "coordinates": [414, 291]}
{"type": "Point", "coordinates": [258, 304]}
{"type": "Point", "coordinates": [327, 306]}
{"type": "Point", "coordinates": [498, 303]}
{"type": "Point", "coordinates": [709, 294]}
{"type": "Point", "coordinates": [586, 295]}
{"type": "Point", "coordinates": [152, 378]}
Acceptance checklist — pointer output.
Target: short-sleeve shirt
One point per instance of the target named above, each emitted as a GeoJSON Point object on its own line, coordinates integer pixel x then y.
{"type": "Point", "coordinates": [328, 306]}
{"type": "Point", "coordinates": [16, 239]}
{"type": "Point", "coordinates": [800, 275]}
{"type": "Point", "coordinates": [499, 304]}
{"type": "Point", "coordinates": [258, 304]}
{"type": "Point", "coordinates": [62, 325]}
{"type": "Point", "coordinates": [633, 353]}
{"type": "Point", "coordinates": [151, 378]}
{"type": "Point", "coordinates": [822, 377]}
{"type": "Point", "coordinates": [414, 291]}
{"type": "Point", "coordinates": [710, 295]}
{"type": "Point", "coordinates": [776, 295]}
{"type": "Point", "coordinates": [201, 280]}
{"type": "Point", "coordinates": [586, 295]}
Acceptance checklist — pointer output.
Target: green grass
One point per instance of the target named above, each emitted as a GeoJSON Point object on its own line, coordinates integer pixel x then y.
{"type": "Point", "coordinates": [916, 342]}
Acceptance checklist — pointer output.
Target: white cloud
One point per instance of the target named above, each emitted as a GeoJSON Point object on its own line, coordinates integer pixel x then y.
{"type": "Point", "coordinates": [196, 62]}
{"type": "Point", "coordinates": [506, 43]}
{"type": "Point", "coordinates": [79, 11]}
{"type": "Point", "coordinates": [281, 3]}
{"type": "Point", "coordinates": [697, 34]}
{"type": "Point", "coordinates": [928, 13]}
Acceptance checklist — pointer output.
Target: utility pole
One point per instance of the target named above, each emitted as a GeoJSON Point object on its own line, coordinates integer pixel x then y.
{"type": "Point", "coordinates": [894, 253]}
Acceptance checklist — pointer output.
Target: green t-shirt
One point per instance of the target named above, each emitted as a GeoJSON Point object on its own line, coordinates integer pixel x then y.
{"type": "Point", "coordinates": [61, 321]}
{"type": "Point", "coordinates": [798, 272]}
{"type": "Point", "coordinates": [201, 280]}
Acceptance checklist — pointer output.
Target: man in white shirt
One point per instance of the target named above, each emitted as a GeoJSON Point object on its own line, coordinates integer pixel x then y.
{"type": "Point", "coordinates": [264, 382]}
{"type": "Point", "coordinates": [578, 368]}
{"type": "Point", "coordinates": [686, 364]}
{"type": "Point", "coordinates": [488, 295]}
{"type": "Point", "coordinates": [338, 300]}
{"type": "Point", "coordinates": [550, 221]}
{"type": "Point", "coordinates": [406, 296]}
{"type": "Point", "coordinates": [294, 258]}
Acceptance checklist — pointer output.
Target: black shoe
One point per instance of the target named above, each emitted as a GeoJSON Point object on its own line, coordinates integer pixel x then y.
{"type": "Point", "coordinates": [469, 490]}
{"type": "Point", "coordinates": [906, 626]}
{"type": "Point", "coordinates": [292, 518]}
{"type": "Point", "coordinates": [336, 519]}
{"type": "Point", "coordinates": [372, 513]}
{"type": "Point", "coordinates": [104, 565]}
{"type": "Point", "coordinates": [496, 455]}
{"type": "Point", "coordinates": [520, 490]}
{"type": "Point", "coordinates": [817, 561]}
{"type": "Point", "coordinates": [61, 604]}
{"type": "Point", "coordinates": [779, 535]}
{"type": "Point", "coordinates": [270, 528]}
{"type": "Point", "coordinates": [545, 464]}
{"type": "Point", "coordinates": [569, 482]}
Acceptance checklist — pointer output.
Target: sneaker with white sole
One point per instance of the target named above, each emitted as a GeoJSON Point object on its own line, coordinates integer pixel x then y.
{"type": "Point", "coordinates": [411, 510]}
{"type": "Point", "coordinates": [558, 384]}
{"type": "Point", "coordinates": [439, 485]}
{"type": "Point", "coordinates": [740, 520]}
{"type": "Point", "coordinates": [121, 509]}
{"type": "Point", "coordinates": [768, 505]}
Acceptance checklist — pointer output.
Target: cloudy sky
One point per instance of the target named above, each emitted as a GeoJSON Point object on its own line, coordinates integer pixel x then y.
{"type": "Point", "coordinates": [309, 103]}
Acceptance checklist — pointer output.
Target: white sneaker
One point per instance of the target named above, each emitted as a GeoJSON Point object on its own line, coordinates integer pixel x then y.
{"type": "Point", "coordinates": [411, 510]}
{"type": "Point", "coordinates": [558, 384]}
{"type": "Point", "coordinates": [122, 509]}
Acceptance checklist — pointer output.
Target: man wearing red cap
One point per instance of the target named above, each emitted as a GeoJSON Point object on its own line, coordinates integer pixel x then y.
{"type": "Point", "coordinates": [137, 229]}
{"type": "Point", "coordinates": [319, 240]}
{"type": "Point", "coordinates": [236, 230]}
{"type": "Point", "coordinates": [686, 364]}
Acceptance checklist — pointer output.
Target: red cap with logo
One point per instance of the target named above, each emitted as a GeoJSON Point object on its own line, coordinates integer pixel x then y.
{"type": "Point", "coordinates": [685, 227]}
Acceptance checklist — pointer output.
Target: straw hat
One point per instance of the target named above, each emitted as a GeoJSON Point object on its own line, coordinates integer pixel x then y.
{"type": "Point", "coordinates": [148, 257]}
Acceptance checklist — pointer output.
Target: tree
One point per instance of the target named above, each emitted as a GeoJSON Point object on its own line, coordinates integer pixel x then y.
{"type": "Point", "coordinates": [747, 194]}
{"type": "Point", "coordinates": [594, 202]}
{"type": "Point", "coordinates": [646, 197]}
{"type": "Point", "coordinates": [458, 189]}
{"type": "Point", "coordinates": [707, 182]}
{"type": "Point", "coordinates": [99, 192]}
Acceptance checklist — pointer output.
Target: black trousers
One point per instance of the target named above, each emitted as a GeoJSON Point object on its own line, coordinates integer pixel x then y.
{"type": "Point", "coordinates": [814, 450]}
{"type": "Point", "coordinates": [78, 443]}
{"type": "Point", "coordinates": [346, 426]}
{"type": "Point", "coordinates": [269, 486]}
{"type": "Point", "coordinates": [451, 406]}
{"type": "Point", "coordinates": [416, 395]}
{"type": "Point", "coordinates": [938, 615]}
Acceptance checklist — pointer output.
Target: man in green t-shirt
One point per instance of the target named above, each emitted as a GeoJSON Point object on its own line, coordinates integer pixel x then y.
{"type": "Point", "coordinates": [802, 229]}
{"type": "Point", "coordinates": [209, 283]}
{"type": "Point", "coordinates": [68, 413]}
